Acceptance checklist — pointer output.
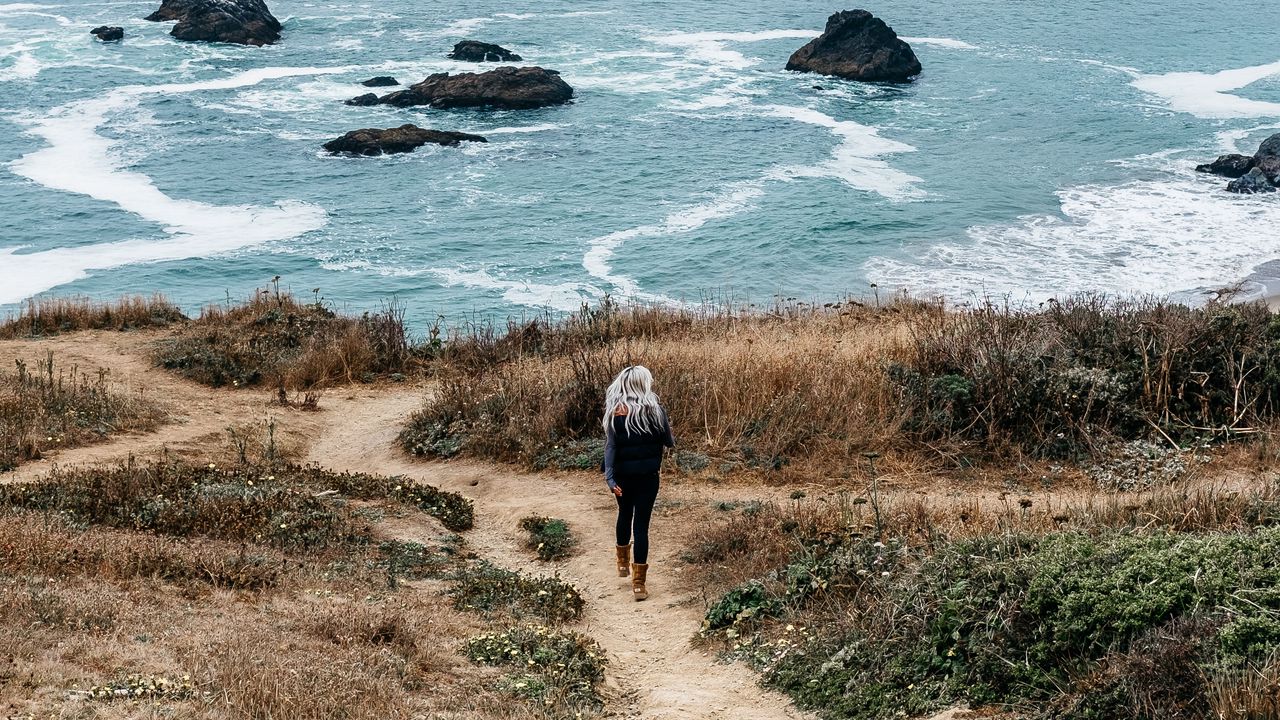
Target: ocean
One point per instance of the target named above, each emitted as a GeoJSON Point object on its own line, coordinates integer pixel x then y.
{"type": "Point", "coordinates": [1046, 149]}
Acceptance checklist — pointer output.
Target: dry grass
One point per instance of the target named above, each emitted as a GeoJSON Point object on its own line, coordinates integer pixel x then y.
{"type": "Point", "coordinates": [323, 654]}
{"type": "Point", "coordinates": [45, 316]}
{"type": "Point", "coordinates": [273, 339]}
{"type": "Point", "coordinates": [49, 407]}
{"type": "Point", "coordinates": [758, 393]}
{"type": "Point", "coordinates": [802, 392]}
{"type": "Point", "coordinates": [247, 591]}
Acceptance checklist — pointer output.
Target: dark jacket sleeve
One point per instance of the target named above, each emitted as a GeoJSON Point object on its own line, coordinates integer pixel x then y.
{"type": "Point", "coordinates": [668, 439]}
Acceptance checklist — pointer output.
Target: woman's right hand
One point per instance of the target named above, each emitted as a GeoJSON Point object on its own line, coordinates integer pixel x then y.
{"type": "Point", "coordinates": [617, 490]}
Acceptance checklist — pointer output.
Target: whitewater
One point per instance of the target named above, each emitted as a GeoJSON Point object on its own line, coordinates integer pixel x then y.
{"type": "Point", "coordinates": [1037, 155]}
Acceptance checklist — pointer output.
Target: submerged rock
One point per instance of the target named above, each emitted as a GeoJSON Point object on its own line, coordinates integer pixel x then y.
{"type": "Point", "coordinates": [406, 138]}
{"type": "Point", "coordinates": [1232, 166]}
{"type": "Point", "coordinates": [364, 100]}
{"type": "Point", "coordinates": [380, 81]}
{"type": "Point", "coordinates": [108, 33]}
{"type": "Point", "coordinates": [1255, 181]}
{"type": "Point", "coordinates": [857, 45]}
{"type": "Point", "coordinates": [245, 22]}
{"type": "Point", "coordinates": [506, 88]}
{"type": "Point", "coordinates": [476, 51]}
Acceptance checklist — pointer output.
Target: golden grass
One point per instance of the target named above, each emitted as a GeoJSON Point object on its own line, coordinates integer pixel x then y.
{"type": "Point", "coordinates": [273, 339]}
{"type": "Point", "coordinates": [798, 393]}
{"type": "Point", "coordinates": [52, 315]}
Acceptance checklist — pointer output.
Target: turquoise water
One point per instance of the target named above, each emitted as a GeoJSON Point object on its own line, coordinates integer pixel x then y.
{"type": "Point", "coordinates": [1047, 148]}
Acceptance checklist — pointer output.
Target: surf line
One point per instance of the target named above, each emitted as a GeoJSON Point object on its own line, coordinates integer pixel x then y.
{"type": "Point", "coordinates": [77, 160]}
{"type": "Point", "coordinates": [855, 161]}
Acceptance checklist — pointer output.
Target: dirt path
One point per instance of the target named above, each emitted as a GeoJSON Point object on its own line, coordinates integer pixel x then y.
{"type": "Point", "coordinates": [654, 671]}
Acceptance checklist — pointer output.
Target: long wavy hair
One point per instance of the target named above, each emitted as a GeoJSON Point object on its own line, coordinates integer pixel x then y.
{"type": "Point", "coordinates": [633, 389]}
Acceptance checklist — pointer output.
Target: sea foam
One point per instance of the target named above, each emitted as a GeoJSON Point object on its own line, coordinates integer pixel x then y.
{"type": "Point", "coordinates": [1207, 95]}
{"type": "Point", "coordinates": [79, 160]}
{"type": "Point", "coordinates": [711, 47]}
{"type": "Point", "coordinates": [855, 161]}
{"type": "Point", "coordinates": [950, 43]}
{"type": "Point", "coordinates": [567, 296]}
{"type": "Point", "coordinates": [1143, 237]}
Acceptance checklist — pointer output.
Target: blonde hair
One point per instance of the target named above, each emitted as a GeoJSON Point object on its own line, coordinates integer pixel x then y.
{"type": "Point", "coordinates": [633, 389]}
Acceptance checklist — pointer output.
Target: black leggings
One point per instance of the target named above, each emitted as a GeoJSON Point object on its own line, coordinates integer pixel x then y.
{"type": "Point", "coordinates": [635, 507]}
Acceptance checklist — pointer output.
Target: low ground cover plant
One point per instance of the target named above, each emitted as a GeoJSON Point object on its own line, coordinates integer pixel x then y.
{"type": "Point", "coordinates": [556, 669]}
{"type": "Point", "coordinates": [286, 506]}
{"type": "Point", "coordinates": [1164, 608]}
{"type": "Point", "coordinates": [548, 537]}
{"type": "Point", "coordinates": [485, 588]}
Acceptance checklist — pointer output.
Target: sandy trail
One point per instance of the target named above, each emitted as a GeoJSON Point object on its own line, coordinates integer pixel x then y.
{"type": "Point", "coordinates": [654, 671]}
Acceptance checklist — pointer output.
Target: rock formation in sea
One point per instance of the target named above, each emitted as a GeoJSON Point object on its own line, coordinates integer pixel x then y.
{"type": "Point", "coordinates": [1232, 166]}
{"type": "Point", "coordinates": [505, 88]}
{"type": "Point", "coordinates": [108, 33]}
{"type": "Point", "coordinates": [1252, 173]}
{"type": "Point", "coordinates": [246, 22]}
{"type": "Point", "coordinates": [364, 100]}
{"type": "Point", "coordinates": [381, 81]}
{"type": "Point", "coordinates": [406, 138]}
{"type": "Point", "coordinates": [1254, 181]}
{"type": "Point", "coordinates": [476, 51]}
{"type": "Point", "coordinates": [857, 45]}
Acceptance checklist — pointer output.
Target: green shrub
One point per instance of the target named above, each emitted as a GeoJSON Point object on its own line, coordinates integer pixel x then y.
{"type": "Point", "coordinates": [1054, 381]}
{"type": "Point", "coordinates": [549, 537]}
{"type": "Point", "coordinates": [1046, 622]}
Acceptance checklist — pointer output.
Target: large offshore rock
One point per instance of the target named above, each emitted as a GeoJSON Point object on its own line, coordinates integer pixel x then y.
{"type": "Point", "coordinates": [246, 22]}
{"type": "Point", "coordinates": [476, 51]}
{"type": "Point", "coordinates": [406, 138]}
{"type": "Point", "coordinates": [506, 88]}
{"type": "Point", "coordinates": [857, 45]}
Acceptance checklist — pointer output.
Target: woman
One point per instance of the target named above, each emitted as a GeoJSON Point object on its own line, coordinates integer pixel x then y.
{"type": "Point", "coordinates": [636, 431]}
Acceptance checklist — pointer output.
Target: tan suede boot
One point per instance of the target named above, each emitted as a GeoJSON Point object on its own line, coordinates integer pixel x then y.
{"type": "Point", "coordinates": [638, 575]}
{"type": "Point", "coordinates": [624, 560]}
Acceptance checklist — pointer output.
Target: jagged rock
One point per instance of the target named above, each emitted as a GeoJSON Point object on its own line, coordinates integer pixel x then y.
{"type": "Point", "coordinates": [380, 81]}
{"type": "Point", "coordinates": [108, 33]}
{"type": "Point", "coordinates": [363, 100]}
{"type": "Point", "coordinates": [475, 51]}
{"type": "Point", "coordinates": [856, 45]}
{"type": "Point", "coordinates": [1270, 148]}
{"type": "Point", "coordinates": [506, 88]}
{"type": "Point", "coordinates": [406, 138]}
{"type": "Point", "coordinates": [1265, 162]}
{"type": "Point", "coordinates": [1232, 166]}
{"type": "Point", "coordinates": [1255, 181]}
{"type": "Point", "coordinates": [246, 22]}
